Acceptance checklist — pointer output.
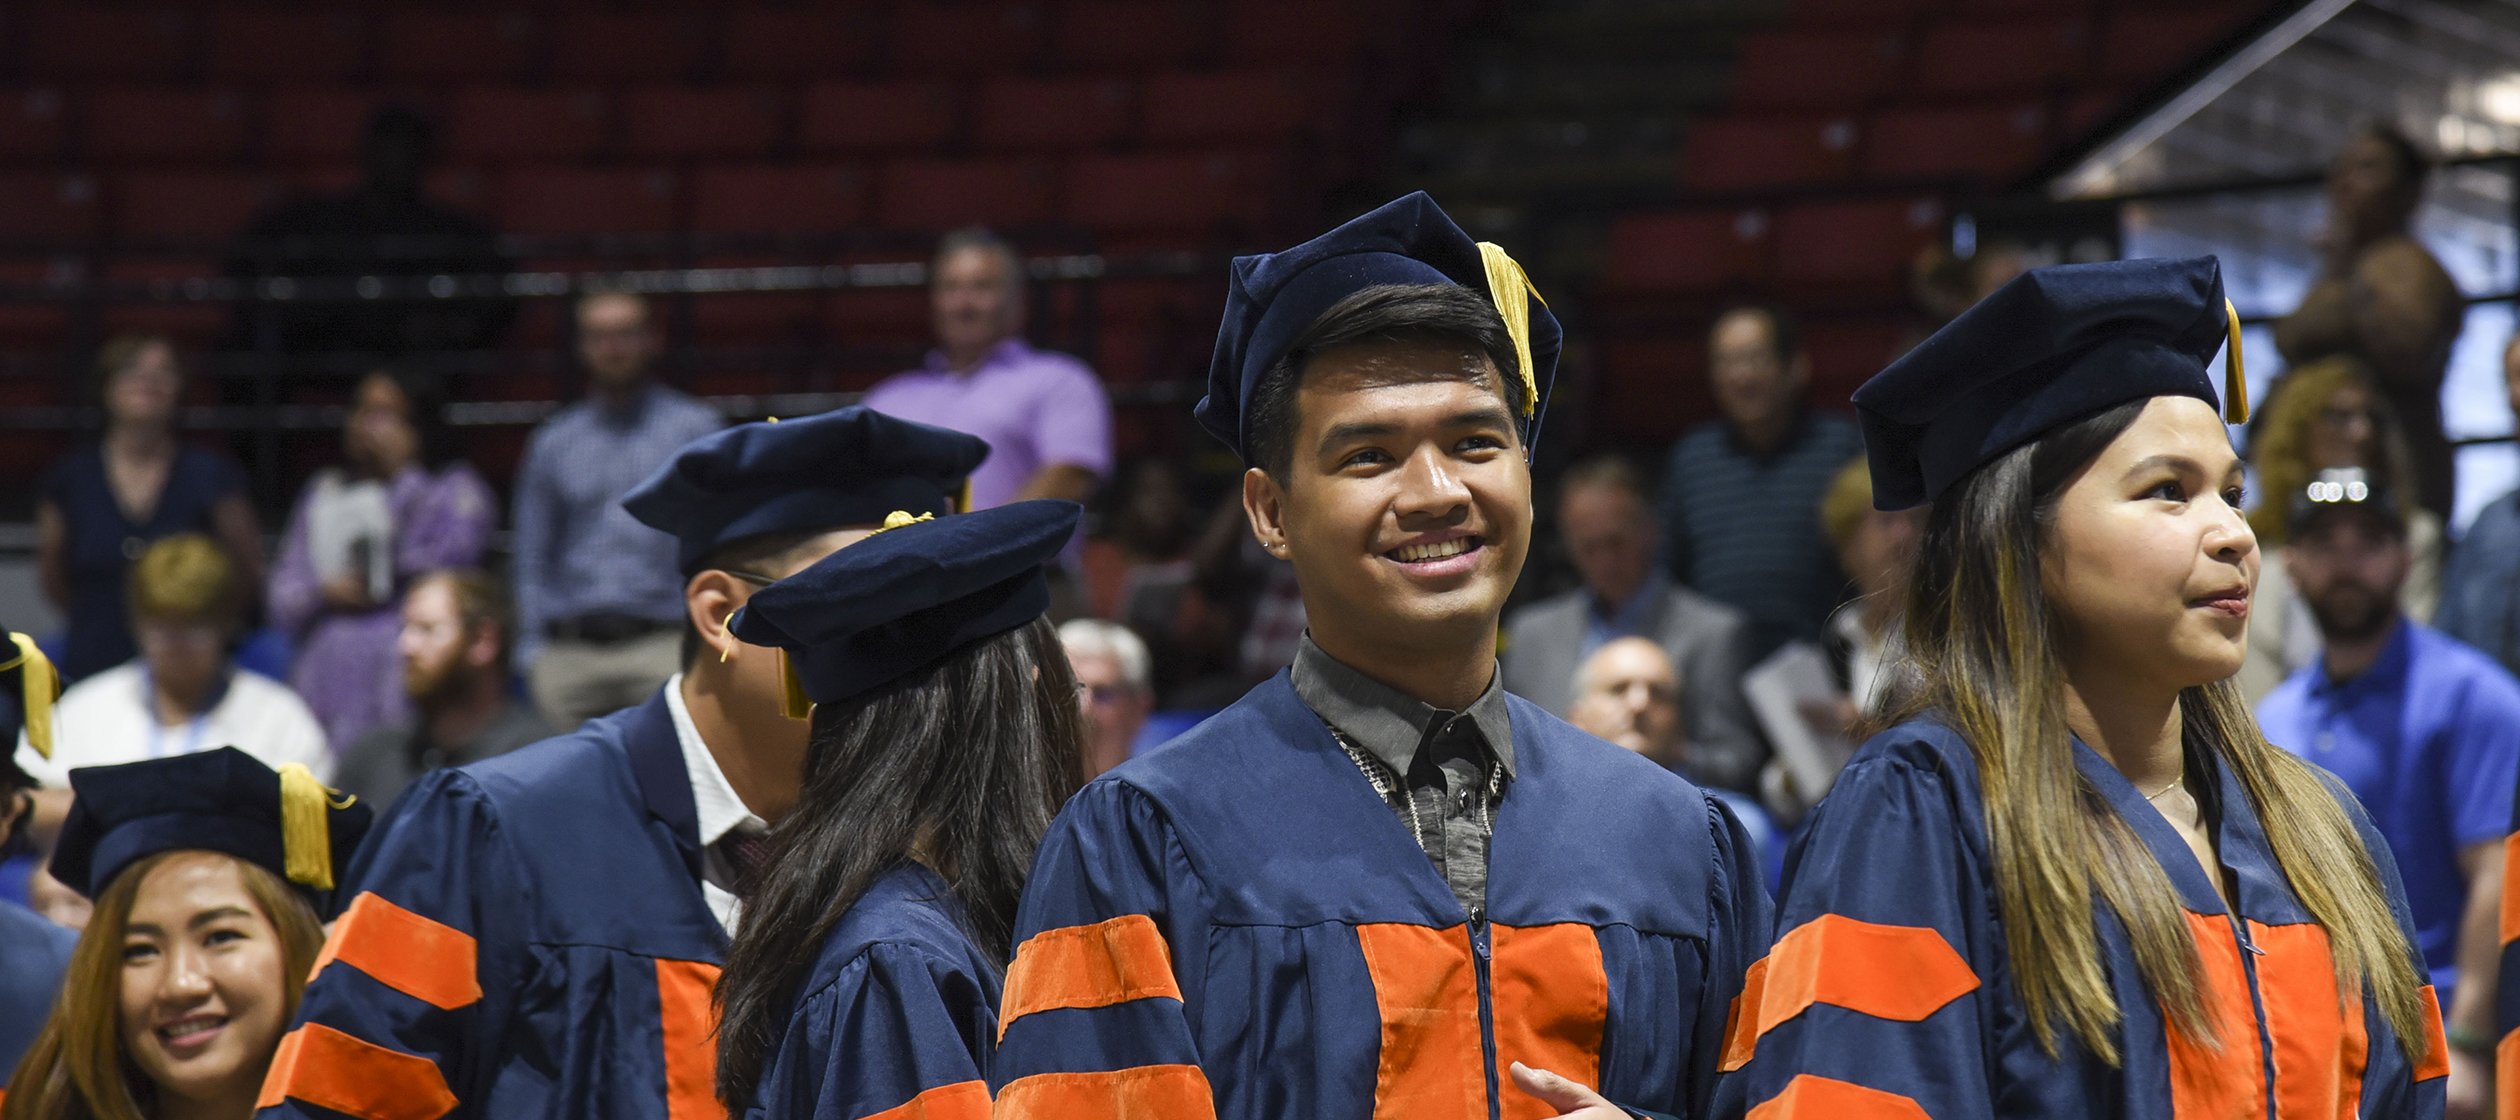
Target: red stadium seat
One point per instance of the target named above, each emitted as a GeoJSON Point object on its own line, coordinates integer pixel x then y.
{"type": "Point", "coordinates": [1227, 107]}
{"type": "Point", "coordinates": [1016, 114]}
{"type": "Point", "coordinates": [938, 195]}
{"type": "Point", "coordinates": [792, 44]}
{"type": "Point", "coordinates": [31, 327]}
{"type": "Point", "coordinates": [2013, 56]}
{"type": "Point", "coordinates": [43, 206]}
{"type": "Point", "coordinates": [683, 123]}
{"type": "Point", "coordinates": [860, 117]}
{"type": "Point", "coordinates": [1865, 14]}
{"type": "Point", "coordinates": [34, 124]}
{"type": "Point", "coordinates": [1867, 245]}
{"type": "Point", "coordinates": [1651, 384]}
{"type": "Point", "coordinates": [965, 39]}
{"type": "Point", "coordinates": [804, 199]}
{"type": "Point", "coordinates": [194, 325]}
{"type": "Point", "coordinates": [498, 123]}
{"type": "Point", "coordinates": [197, 206]}
{"type": "Point", "coordinates": [97, 42]}
{"type": "Point", "coordinates": [1821, 70]}
{"type": "Point", "coordinates": [431, 45]}
{"type": "Point", "coordinates": [1993, 142]}
{"type": "Point", "coordinates": [1284, 32]}
{"type": "Point", "coordinates": [1093, 36]}
{"type": "Point", "coordinates": [126, 124]}
{"type": "Point", "coordinates": [264, 46]}
{"type": "Point", "coordinates": [2146, 46]}
{"type": "Point", "coordinates": [571, 201]}
{"type": "Point", "coordinates": [1744, 153]}
{"type": "Point", "coordinates": [322, 124]}
{"type": "Point", "coordinates": [1687, 251]}
{"type": "Point", "coordinates": [1222, 192]}
{"type": "Point", "coordinates": [642, 46]}
{"type": "Point", "coordinates": [1844, 351]}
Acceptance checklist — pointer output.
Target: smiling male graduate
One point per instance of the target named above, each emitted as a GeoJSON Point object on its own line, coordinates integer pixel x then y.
{"type": "Point", "coordinates": [1378, 880]}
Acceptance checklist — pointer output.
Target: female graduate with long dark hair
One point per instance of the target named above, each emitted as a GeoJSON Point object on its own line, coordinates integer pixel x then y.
{"type": "Point", "coordinates": [864, 978]}
{"type": "Point", "coordinates": [2071, 878]}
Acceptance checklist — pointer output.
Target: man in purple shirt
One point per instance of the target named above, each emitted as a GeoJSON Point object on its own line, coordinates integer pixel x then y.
{"type": "Point", "coordinates": [1045, 415]}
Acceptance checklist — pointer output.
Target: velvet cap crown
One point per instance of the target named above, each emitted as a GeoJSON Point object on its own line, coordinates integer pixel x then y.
{"type": "Point", "coordinates": [906, 597]}
{"type": "Point", "coordinates": [1272, 299]}
{"type": "Point", "coordinates": [2053, 346]}
{"type": "Point", "coordinates": [221, 800]}
{"type": "Point", "coordinates": [850, 466]}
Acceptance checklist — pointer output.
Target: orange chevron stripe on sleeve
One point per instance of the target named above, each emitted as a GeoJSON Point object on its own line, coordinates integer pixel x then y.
{"type": "Point", "coordinates": [1099, 965]}
{"type": "Point", "coordinates": [962, 1100]}
{"type": "Point", "coordinates": [1890, 972]}
{"type": "Point", "coordinates": [1170, 1092]}
{"type": "Point", "coordinates": [1809, 1097]}
{"type": "Point", "coordinates": [420, 957]}
{"type": "Point", "coordinates": [326, 1068]}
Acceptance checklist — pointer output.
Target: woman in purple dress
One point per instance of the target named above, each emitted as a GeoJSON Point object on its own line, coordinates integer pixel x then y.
{"type": "Point", "coordinates": [360, 534]}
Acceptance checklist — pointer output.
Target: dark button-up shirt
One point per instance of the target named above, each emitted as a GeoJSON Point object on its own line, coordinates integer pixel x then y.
{"type": "Point", "coordinates": [1442, 772]}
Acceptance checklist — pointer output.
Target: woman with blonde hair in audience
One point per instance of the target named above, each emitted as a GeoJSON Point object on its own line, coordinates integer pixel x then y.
{"type": "Point", "coordinates": [2322, 416]}
{"type": "Point", "coordinates": [210, 874]}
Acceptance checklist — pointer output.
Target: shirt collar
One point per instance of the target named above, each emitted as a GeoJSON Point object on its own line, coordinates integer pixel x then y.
{"type": "Point", "coordinates": [1007, 350]}
{"type": "Point", "coordinates": [1630, 615]}
{"type": "Point", "coordinates": [2386, 669]}
{"type": "Point", "coordinates": [1389, 723]}
{"type": "Point", "coordinates": [720, 810]}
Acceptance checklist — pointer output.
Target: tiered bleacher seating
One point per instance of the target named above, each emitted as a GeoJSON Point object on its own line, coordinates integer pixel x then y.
{"type": "Point", "coordinates": [136, 139]}
{"type": "Point", "coordinates": [1852, 126]}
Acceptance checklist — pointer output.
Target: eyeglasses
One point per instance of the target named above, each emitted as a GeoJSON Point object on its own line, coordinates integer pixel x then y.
{"type": "Point", "coordinates": [1101, 695]}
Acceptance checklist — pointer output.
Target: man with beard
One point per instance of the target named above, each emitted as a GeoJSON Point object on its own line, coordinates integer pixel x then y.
{"type": "Point", "coordinates": [457, 630]}
{"type": "Point", "coordinates": [2425, 731]}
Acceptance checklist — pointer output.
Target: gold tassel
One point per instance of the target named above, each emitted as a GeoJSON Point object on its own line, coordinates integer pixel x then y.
{"type": "Point", "coordinates": [306, 826]}
{"type": "Point", "coordinates": [900, 518]}
{"type": "Point", "coordinates": [2235, 379]}
{"type": "Point", "coordinates": [962, 501]}
{"type": "Point", "coordinates": [39, 684]}
{"type": "Point", "coordinates": [793, 703]}
{"type": "Point", "coordinates": [1507, 285]}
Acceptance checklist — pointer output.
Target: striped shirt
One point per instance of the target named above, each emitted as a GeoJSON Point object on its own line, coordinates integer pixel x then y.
{"type": "Point", "coordinates": [577, 551]}
{"type": "Point", "coordinates": [1743, 528]}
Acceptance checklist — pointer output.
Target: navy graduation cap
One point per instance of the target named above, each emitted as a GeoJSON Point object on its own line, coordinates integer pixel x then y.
{"type": "Point", "coordinates": [849, 466]}
{"type": "Point", "coordinates": [2053, 346]}
{"type": "Point", "coordinates": [902, 599]}
{"type": "Point", "coordinates": [1272, 298]}
{"type": "Point", "coordinates": [220, 800]}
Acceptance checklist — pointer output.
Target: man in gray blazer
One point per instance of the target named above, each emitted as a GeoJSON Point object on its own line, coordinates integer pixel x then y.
{"type": "Point", "coordinates": [1607, 521]}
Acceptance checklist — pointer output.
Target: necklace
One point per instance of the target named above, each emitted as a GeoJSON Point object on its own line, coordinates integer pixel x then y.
{"type": "Point", "coordinates": [2174, 784]}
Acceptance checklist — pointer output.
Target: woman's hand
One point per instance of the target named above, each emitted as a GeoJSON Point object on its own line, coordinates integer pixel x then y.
{"type": "Point", "coordinates": [1572, 1101]}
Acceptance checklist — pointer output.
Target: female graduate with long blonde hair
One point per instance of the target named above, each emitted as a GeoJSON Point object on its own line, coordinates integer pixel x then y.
{"type": "Point", "coordinates": [2070, 877]}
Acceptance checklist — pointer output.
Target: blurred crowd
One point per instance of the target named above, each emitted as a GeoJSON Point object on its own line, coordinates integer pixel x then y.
{"type": "Point", "coordinates": [1728, 611]}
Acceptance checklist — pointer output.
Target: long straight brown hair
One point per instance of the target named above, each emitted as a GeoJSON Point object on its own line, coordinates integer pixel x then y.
{"type": "Point", "coordinates": [76, 1069]}
{"type": "Point", "coordinates": [1982, 657]}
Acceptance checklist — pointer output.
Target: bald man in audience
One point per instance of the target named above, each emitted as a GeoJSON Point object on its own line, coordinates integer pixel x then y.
{"type": "Point", "coordinates": [1628, 692]}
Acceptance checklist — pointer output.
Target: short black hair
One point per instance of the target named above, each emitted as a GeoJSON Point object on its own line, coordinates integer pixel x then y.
{"type": "Point", "coordinates": [1383, 313]}
{"type": "Point", "coordinates": [1784, 333]}
{"type": "Point", "coordinates": [748, 555]}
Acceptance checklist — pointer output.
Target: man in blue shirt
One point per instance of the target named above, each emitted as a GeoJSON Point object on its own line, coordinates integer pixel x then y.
{"type": "Point", "coordinates": [1741, 496]}
{"type": "Point", "coordinates": [2423, 728]}
{"type": "Point", "coordinates": [599, 599]}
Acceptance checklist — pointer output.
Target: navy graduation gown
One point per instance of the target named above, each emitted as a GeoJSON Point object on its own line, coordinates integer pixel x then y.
{"type": "Point", "coordinates": [1888, 992]}
{"type": "Point", "coordinates": [1238, 926]}
{"type": "Point", "coordinates": [33, 955]}
{"type": "Point", "coordinates": [526, 937]}
{"type": "Point", "coordinates": [897, 1018]}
